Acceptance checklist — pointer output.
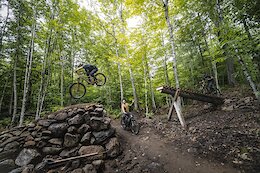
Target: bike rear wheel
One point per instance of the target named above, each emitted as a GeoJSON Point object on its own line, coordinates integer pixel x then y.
{"type": "Point", "coordinates": [77, 90]}
{"type": "Point", "coordinates": [134, 127]}
{"type": "Point", "coordinates": [100, 79]}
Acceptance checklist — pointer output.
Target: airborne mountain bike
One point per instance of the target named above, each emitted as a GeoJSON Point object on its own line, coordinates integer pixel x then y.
{"type": "Point", "coordinates": [78, 89]}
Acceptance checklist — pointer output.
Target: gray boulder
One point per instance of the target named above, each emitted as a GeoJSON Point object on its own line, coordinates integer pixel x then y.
{"type": "Point", "coordinates": [26, 156]}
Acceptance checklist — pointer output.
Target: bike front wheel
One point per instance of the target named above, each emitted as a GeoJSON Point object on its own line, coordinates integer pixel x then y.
{"type": "Point", "coordinates": [123, 124]}
{"type": "Point", "coordinates": [100, 79]}
{"type": "Point", "coordinates": [77, 90]}
{"type": "Point", "coordinates": [134, 127]}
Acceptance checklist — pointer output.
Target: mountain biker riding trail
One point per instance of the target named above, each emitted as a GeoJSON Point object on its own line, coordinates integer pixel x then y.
{"type": "Point", "coordinates": [210, 82]}
{"type": "Point", "coordinates": [125, 109]}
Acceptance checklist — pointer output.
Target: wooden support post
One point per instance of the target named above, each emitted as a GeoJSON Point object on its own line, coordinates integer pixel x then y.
{"type": "Point", "coordinates": [176, 103]}
{"type": "Point", "coordinates": [177, 106]}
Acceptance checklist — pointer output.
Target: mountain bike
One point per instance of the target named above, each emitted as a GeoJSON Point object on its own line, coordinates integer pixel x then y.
{"type": "Point", "coordinates": [211, 90]}
{"type": "Point", "coordinates": [129, 123]}
{"type": "Point", "coordinates": [77, 90]}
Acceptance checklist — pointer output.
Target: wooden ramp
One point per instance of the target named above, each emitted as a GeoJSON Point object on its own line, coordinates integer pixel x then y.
{"type": "Point", "coordinates": [191, 95]}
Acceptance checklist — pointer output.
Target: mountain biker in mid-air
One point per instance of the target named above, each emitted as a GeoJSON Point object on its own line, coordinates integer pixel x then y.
{"type": "Point", "coordinates": [89, 69]}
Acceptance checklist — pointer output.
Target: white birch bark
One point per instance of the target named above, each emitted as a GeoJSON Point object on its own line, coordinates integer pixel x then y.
{"type": "Point", "coordinates": [145, 88]}
{"type": "Point", "coordinates": [248, 77]}
{"type": "Point", "coordinates": [28, 71]}
{"type": "Point", "coordinates": [136, 105]}
{"type": "Point", "coordinates": [14, 91]}
{"type": "Point", "coordinates": [62, 82]}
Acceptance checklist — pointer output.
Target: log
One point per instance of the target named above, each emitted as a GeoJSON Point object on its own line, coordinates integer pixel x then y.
{"type": "Point", "coordinates": [191, 95]}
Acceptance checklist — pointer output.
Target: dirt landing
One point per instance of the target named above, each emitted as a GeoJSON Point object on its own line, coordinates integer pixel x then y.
{"type": "Point", "coordinates": [149, 152]}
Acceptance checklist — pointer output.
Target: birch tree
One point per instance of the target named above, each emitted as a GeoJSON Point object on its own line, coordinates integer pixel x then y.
{"type": "Point", "coordinates": [28, 66]}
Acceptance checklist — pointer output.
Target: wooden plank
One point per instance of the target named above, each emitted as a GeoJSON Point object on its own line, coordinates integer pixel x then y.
{"type": "Point", "coordinates": [177, 106]}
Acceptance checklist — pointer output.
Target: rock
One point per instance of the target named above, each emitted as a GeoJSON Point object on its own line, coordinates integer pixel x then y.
{"type": "Point", "coordinates": [99, 110]}
{"type": "Point", "coordinates": [29, 138]}
{"type": "Point", "coordinates": [72, 129]}
{"type": "Point", "coordinates": [79, 170]}
{"type": "Point", "coordinates": [228, 108]}
{"type": "Point", "coordinates": [99, 123]}
{"type": "Point", "coordinates": [31, 124]}
{"type": "Point", "coordinates": [154, 167]}
{"type": "Point", "coordinates": [26, 156]}
{"type": "Point", "coordinates": [56, 141]}
{"type": "Point", "coordinates": [89, 168]}
{"type": "Point", "coordinates": [81, 111]}
{"type": "Point", "coordinates": [7, 165]}
{"type": "Point", "coordinates": [71, 113]}
{"type": "Point", "coordinates": [95, 114]}
{"type": "Point", "coordinates": [78, 119]}
{"type": "Point", "coordinates": [113, 147]}
{"type": "Point", "coordinates": [83, 129]}
{"type": "Point", "coordinates": [71, 140]}
{"type": "Point", "coordinates": [45, 123]}
{"type": "Point", "coordinates": [46, 133]}
{"type": "Point", "coordinates": [16, 133]}
{"type": "Point", "coordinates": [58, 129]}
{"type": "Point", "coordinates": [41, 144]}
{"type": "Point", "coordinates": [98, 164]}
{"type": "Point", "coordinates": [69, 152]}
{"type": "Point", "coordinates": [12, 145]}
{"type": "Point", "coordinates": [17, 170]}
{"type": "Point", "coordinates": [9, 140]}
{"type": "Point", "coordinates": [75, 164]}
{"type": "Point", "coordinates": [93, 149]}
{"type": "Point", "coordinates": [7, 154]}
{"type": "Point", "coordinates": [51, 150]}
{"type": "Point", "coordinates": [28, 169]}
{"type": "Point", "coordinates": [86, 138]}
{"type": "Point", "coordinates": [25, 134]}
{"type": "Point", "coordinates": [61, 116]}
{"type": "Point", "coordinates": [227, 101]}
{"type": "Point", "coordinates": [101, 136]}
{"type": "Point", "coordinates": [29, 144]}
{"type": "Point", "coordinates": [51, 116]}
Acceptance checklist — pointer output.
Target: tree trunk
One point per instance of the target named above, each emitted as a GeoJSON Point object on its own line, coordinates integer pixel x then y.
{"type": "Point", "coordinates": [136, 105]}
{"type": "Point", "coordinates": [255, 54]}
{"type": "Point", "coordinates": [3, 29]}
{"type": "Point", "coordinates": [11, 103]}
{"type": "Point", "coordinates": [167, 81]}
{"type": "Point", "coordinates": [145, 87]}
{"type": "Point", "coordinates": [121, 83]}
{"type": "Point", "coordinates": [3, 93]}
{"type": "Point", "coordinates": [61, 83]}
{"type": "Point", "coordinates": [14, 90]}
{"type": "Point", "coordinates": [177, 103]}
{"type": "Point", "coordinates": [229, 60]}
{"type": "Point", "coordinates": [28, 71]}
{"type": "Point", "coordinates": [152, 93]}
{"type": "Point", "coordinates": [248, 77]}
{"type": "Point", "coordinates": [213, 63]}
{"type": "Point", "coordinates": [40, 95]}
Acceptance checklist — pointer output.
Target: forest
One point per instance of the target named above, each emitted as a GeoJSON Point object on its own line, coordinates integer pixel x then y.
{"type": "Point", "coordinates": [139, 45]}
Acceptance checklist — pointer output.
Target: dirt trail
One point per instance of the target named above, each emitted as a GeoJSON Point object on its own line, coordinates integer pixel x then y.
{"type": "Point", "coordinates": [149, 152]}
